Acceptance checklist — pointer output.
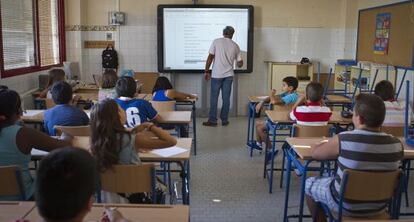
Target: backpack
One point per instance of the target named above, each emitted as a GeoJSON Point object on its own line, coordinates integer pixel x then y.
{"type": "Point", "coordinates": [109, 58]}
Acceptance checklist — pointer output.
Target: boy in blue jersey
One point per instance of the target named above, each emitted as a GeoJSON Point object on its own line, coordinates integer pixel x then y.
{"type": "Point", "coordinates": [137, 110]}
{"type": "Point", "coordinates": [64, 113]}
{"type": "Point", "coordinates": [289, 96]}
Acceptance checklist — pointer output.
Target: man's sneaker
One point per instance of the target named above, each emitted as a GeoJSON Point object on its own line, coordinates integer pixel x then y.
{"type": "Point", "coordinates": [225, 123]}
{"type": "Point", "coordinates": [208, 123]}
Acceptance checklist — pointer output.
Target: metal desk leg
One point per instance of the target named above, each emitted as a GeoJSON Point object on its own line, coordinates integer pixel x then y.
{"type": "Point", "coordinates": [288, 168]}
{"type": "Point", "coordinates": [248, 123]}
{"type": "Point", "coordinates": [184, 181]}
{"type": "Point", "coordinates": [194, 129]}
{"type": "Point", "coordinates": [272, 161]}
{"type": "Point", "coordinates": [302, 190]}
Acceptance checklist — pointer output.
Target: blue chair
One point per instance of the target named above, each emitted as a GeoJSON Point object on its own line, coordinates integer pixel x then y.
{"type": "Point", "coordinates": [12, 182]}
{"type": "Point", "coordinates": [365, 186]}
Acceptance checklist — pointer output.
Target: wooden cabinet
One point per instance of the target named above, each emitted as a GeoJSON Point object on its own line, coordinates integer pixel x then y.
{"type": "Point", "coordinates": [276, 71]}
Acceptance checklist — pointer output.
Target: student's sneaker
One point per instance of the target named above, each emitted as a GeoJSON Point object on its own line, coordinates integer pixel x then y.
{"type": "Point", "coordinates": [258, 146]}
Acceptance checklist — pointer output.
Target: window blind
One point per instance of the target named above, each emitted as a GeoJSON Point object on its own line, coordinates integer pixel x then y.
{"type": "Point", "coordinates": [48, 32]}
{"type": "Point", "coordinates": [17, 18]}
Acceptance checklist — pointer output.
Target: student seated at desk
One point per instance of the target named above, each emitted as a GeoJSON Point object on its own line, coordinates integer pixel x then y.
{"type": "Point", "coordinates": [366, 148]}
{"type": "Point", "coordinates": [395, 111]}
{"type": "Point", "coordinates": [16, 141]}
{"type": "Point", "coordinates": [312, 112]}
{"type": "Point", "coordinates": [55, 75]}
{"type": "Point", "coordinates": [137, 110]}
{"type": "Point", "coordinates": [112, 143]}
{"type": "Point", "coordinates": [163, 91]}
{"type": "Point", "coordinates": [65, 187]}
{"type": "Point", "coordinates": [107, 89]}
{"type": "Point", "coordinates": [64, 113]}
{"type": "Point", "coordinates": [289, 96]}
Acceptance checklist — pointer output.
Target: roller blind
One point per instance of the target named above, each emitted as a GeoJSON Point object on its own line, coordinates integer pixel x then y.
{"type": "Point", "coordinates": [17, 17]}
{"type": "Point", "coordinates": [48, 32]}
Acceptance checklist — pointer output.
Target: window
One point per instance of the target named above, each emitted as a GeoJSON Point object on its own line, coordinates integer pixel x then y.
{"type": "Point", "coordinates": [32, 36]}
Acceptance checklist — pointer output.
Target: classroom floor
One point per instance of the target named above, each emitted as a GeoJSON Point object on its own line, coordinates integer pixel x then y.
{"type": "Point", "coordinates": [223, 170]}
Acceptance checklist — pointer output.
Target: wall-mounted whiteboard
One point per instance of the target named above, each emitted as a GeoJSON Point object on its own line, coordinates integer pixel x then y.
{"type": "Point", "coordinates": [185, 33]}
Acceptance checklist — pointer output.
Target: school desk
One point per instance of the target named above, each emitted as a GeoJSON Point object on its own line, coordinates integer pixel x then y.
{"type": "Point", "coordinates": [338, 100]}
{"type": "Point", "coordinates": [133, 212]}
{"type": "Point", "coordinates": [171, 117]}
{"type": "Point", "coordinates": [182, 159]}
{"type": "Point", "coordinates": [300, 156]}
{"type": "Point", "coordinates": [11, 211]}
{"type": "Point", "coordinates": [278, 118]}
{"type": "Point", "coordinates": [253, 101]}
{"type": "Point", "coordinates": [186, 102]}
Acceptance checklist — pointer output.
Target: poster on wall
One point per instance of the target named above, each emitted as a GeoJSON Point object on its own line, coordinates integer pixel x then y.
{"type": "Point", "coordinates": [382, 33]}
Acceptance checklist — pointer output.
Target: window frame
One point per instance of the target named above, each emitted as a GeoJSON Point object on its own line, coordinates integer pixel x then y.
{"type": "Point", "coordinates": [37, 67]}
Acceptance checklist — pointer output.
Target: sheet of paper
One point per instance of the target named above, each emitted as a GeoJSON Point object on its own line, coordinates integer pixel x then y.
{"type": "Point", "coordinates": [170, 151]}
{"type": "Point", "coordinates": [36, 152]}
{"type": "Point", "coordinates": [32, 112]}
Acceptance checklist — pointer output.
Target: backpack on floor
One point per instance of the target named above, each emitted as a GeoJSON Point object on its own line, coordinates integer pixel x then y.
{"type": "Point", "coordinates": [109, 58]}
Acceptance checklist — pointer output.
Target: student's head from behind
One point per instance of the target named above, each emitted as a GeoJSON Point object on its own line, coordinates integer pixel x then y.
{"type": "Point", "coordinates": [107, 120]}
{"type": "Point", "coordinates": [126, 87]}
{"type": "Point", "coordinates": [162, 83]}
{"type": "Point", "coordinates": [109, 78]}
{"type": "Point", "coordinates": [56, 75]}
{"type": "Point", "coordinates": [10, 108]}
{"type": "Point", "coordinates": [369, 111]}
{"type": "Point", "coordinates": [65, 184]}
{"type": "Point", "coordinates": [314, 92]}
{"type": "Point", "coordinates": [289, 84]}
{"type": "Point", "coordinates": [61, 92]}
{"type": "Point", "coordinates": [228, 32]}
{"type": "Point", "coordinates": [385, 90]}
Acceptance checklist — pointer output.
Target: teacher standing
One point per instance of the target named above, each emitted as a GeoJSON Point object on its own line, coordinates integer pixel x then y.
{"type": "Point", "coordinates": [225, 53]}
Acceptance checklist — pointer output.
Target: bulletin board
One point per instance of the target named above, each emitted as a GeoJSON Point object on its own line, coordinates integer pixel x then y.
{"type": "Point", "coordinates": [386, 35]}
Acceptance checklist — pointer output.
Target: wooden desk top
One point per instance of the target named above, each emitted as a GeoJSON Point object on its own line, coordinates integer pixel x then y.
{"type": "Point", "coordinates": [256, 99]}
{"type": "Point", "coordinates": [282, 116]}
{"type": "Point", "coordinates": [87, 95]}
{"type": "Point", "coordinates": [175, 117]}
{"type": "Point", "coordinates": [337, 99]}
{"type": "Point", "coordinates": [10, 211]}
{"type": "Point", "coordinates": [84, 143]}
{"type": "Point", "coordinates": [302, 146]}
{"type": "Point", "coordinates": [134, 212]}
{"type": "Point", "coordinates": [172, 117]}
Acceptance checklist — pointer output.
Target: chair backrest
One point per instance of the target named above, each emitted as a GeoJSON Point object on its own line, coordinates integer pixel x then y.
{"type": "Point", "coordinates": [163, 106]}
{"type": "Point", "coordinates": [49, 103]}
{"type": "Point", "coordinates": [73, 130]}
{"type": "Point", "coordinates": [11, 182]}
{"type": "Point", "coordinates": [359, 185]}
{"type": "Point", "coordinates": [147, 79]}
{"type": "Point", "coordinates": [129, 179]}
{"type": "Point", "coordinates": [397, 131]}
{"type": "Point", "coordinates": [311, 131]}
{"type": "Point", "coordinates": [98, 80]}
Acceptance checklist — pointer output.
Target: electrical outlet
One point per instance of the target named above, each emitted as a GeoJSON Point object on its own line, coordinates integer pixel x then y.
{"type": "Point", "coordinates": [108, 36]}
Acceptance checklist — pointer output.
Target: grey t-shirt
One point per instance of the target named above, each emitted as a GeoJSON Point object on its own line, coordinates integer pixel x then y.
{"type": "Point", "coordinates": [128, 153]}
{"type": "Point", "coordinates": [225, 52]}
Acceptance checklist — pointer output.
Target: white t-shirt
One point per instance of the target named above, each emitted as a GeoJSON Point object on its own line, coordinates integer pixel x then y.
{"type": "Point", "coordinates": [225, 52]}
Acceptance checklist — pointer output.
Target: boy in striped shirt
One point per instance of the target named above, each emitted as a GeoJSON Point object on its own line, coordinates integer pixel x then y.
{"type": "Point", "coordinates": [366, 149]}
{"type": "Point", "coordinates": [312, 112]}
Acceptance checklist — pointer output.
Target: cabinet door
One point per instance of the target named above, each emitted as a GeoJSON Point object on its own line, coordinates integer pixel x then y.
{"type": "Point", "coordinates": [279, 72]}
